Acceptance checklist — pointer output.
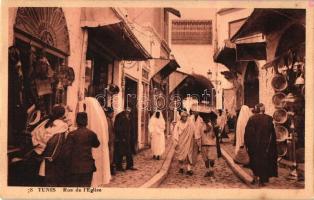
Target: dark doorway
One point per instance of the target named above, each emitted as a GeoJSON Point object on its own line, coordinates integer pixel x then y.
{"type": "Point", "coordinates": [130, 100]}
{"type": "Point", "coordinates": [251, 85]}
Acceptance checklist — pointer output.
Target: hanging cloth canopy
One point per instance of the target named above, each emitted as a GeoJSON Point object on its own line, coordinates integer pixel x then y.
{"type": "Point", "coordinates": [110, 33]}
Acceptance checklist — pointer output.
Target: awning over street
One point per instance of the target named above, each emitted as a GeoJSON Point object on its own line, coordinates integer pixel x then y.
{"type": "Point", "coordinates": [164, 67]}
{"type": "Point", "coordinates": [252, 48]}
{"type": "Point", "coordinates": [226, 55]}
{"type": "Point", "coordinates": [268, 20]}
{"type": "Point", "coordinates": [112, 35]}
{"type": "Point", "coordinates": [175, 79]}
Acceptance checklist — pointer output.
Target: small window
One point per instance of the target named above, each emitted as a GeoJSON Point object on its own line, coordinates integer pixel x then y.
{"type": "Point", "coordinates": [192, 32]}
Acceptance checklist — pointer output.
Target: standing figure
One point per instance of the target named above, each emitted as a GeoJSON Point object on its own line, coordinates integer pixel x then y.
{"type": "Point", "coordinates": [97, 123]}
{"type": "Point", "coordinates": [208, 145]}
{"type": "Point", "coordinates": [78, 151]}
{"type": "Point", "coordinates": [109, 114]}
{"type": "Point", "coordinates": [156, 128]}
{"type": "Point", "coordinates": [183, 138]}
{"type": "Point", "coordinates": [123, 128]}
{"type": "Point", "coordinates": [221, 122]}
{"type": "Point", "coordinates": [260, 141]}
{"type": "Point", "coordinates": [244, 115]}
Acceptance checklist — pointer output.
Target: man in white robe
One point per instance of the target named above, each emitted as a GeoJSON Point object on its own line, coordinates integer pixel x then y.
{"type": "Point", "coordinates": [184, 139]}
{"type": "Point", "coordinates": [156, 128]}
{"type": "Point", "coordinates": [244, 115]}
{"type": "Point", "coordinates": [97, 122]}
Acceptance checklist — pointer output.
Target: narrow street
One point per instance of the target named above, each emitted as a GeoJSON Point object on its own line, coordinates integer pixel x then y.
{"type": "Point", "coordinates": [223, 177]}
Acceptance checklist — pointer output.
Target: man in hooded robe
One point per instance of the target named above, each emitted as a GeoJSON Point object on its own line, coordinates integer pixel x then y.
{"type": "Point", "coordinates": [183, 137]}
{"type": "Point", "coordinates": [244, 115]}
{"type": "Point", "coordinates": [260, 141]}
{"type": "Point", "coordinates": [97, 123]}
{"type": "Point", "coordinates": [156, 128]}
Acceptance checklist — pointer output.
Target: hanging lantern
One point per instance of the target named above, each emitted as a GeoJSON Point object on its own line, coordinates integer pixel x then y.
{"type": "Point", "coordinates": [280, 116]}
{"type": "Point", "coordinates": [279, 83]}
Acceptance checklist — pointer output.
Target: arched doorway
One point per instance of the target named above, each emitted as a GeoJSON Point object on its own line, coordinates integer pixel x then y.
{"type": "Point", "coordinates": [251, 85]}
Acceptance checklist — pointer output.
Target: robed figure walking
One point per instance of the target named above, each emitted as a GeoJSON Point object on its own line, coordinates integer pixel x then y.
{"type": "Point", "coordinates": [156, 128]}
{"type": "Point", "coordinates": [184, 140]}
{"type": "Point", "coordinates": [260, 140]}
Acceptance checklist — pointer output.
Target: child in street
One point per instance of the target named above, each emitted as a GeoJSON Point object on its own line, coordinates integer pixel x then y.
{"type": "Point", "coordinates": [208, 145]}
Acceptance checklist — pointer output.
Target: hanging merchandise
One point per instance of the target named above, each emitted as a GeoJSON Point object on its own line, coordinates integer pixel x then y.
{"type": "Point", "coordinates": [278, 100]}
{"type": "Point", "coordinates": [43, 69]}
{"type": "Point", "coordinates": [279, 82]}
{"type": "Point", "coordinates": [282, 133]}
{"type": "Point", "coordinates": [280, 116]}
{"type": "Point", "coordinates": [43, 87]}
{"type": "Point", "coordinates": [65, 76]}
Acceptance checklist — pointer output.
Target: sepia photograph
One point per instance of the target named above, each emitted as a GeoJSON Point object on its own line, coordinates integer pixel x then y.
{"type": "Point", "coordinates": [162, 96]}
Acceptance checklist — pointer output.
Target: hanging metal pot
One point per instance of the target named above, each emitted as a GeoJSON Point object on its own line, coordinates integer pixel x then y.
{"type": "Point", "coordinates": [278, 100]}
{"type": "Point", "coordinates": [282, 133]}
{"type": "Point", "coordinates": [282, 148]}
{"type": "Point", "coordinates": [280, 116]}
{"type": "Point", "coordinates": [279, 83]}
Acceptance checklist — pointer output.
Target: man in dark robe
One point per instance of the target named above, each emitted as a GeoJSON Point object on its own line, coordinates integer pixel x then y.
{"type": "Point", "coordinates": [260, 140]}
{"type": "Point", "coordinates": [123, 128]}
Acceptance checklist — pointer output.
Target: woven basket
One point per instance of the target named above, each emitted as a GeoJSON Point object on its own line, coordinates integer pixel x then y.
{"type": "Point", "coordinates": [280, 116]}
{"type": "Point", "coordinates": [278, 100]}
{"type": "Point", "coordinates": [279, 82]}
{"type": "Point", "coordinates": [282, 133]}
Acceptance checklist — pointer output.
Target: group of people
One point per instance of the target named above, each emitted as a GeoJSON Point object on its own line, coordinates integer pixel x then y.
{"type": "Point", "coordinates": [61, 152]}
{"type": "Point", "coordinates": [256, 143]}
{"type": "Point", "coordinates": [89, 154]}
{"type": "Point", "coordinates": [196, 133]}
{"type": "Point", "coordinates": [200, 132]}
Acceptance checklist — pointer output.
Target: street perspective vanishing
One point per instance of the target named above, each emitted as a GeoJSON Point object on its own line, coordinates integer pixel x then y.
{"type": "Point", "coordinates": [156, 97]}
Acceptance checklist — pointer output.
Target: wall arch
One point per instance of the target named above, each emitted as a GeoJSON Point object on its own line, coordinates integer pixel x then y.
{"type": "Point", "coordinates": [44, 24]}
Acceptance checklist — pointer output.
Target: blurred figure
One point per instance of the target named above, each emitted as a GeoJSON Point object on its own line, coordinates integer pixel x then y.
{"type": "Point", "coordinates": [221, 122]}
{"type": "Point", "coordinates": [260, 141]}
{"type": "Point", "coordinates": [109, 115]}
{"type": "Point", "coordinates": [122, 127]}
{"type": "Point", "coordinates": [156, 128]}
{"type": "Point", "coordinates": [78, 151]}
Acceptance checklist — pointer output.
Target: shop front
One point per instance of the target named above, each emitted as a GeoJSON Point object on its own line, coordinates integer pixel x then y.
{"type": "Point", "coordinates": [38, 76]}
{"type": "Point", "coordinates": [282, 77]}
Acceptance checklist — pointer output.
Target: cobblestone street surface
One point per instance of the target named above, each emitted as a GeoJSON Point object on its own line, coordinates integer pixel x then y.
{"type": "Point", "coordinates": [223, 176]}
{"type": "Point", "coordinates": [280, 182]}
{"type": "Point", "coordinates": [146, 166]}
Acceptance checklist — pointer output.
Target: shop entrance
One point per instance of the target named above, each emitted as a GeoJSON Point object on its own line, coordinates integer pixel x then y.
{"type": "Point", "coordinates": [130, 100]}
{"type": "Point", "coordinates": [251, 85]}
